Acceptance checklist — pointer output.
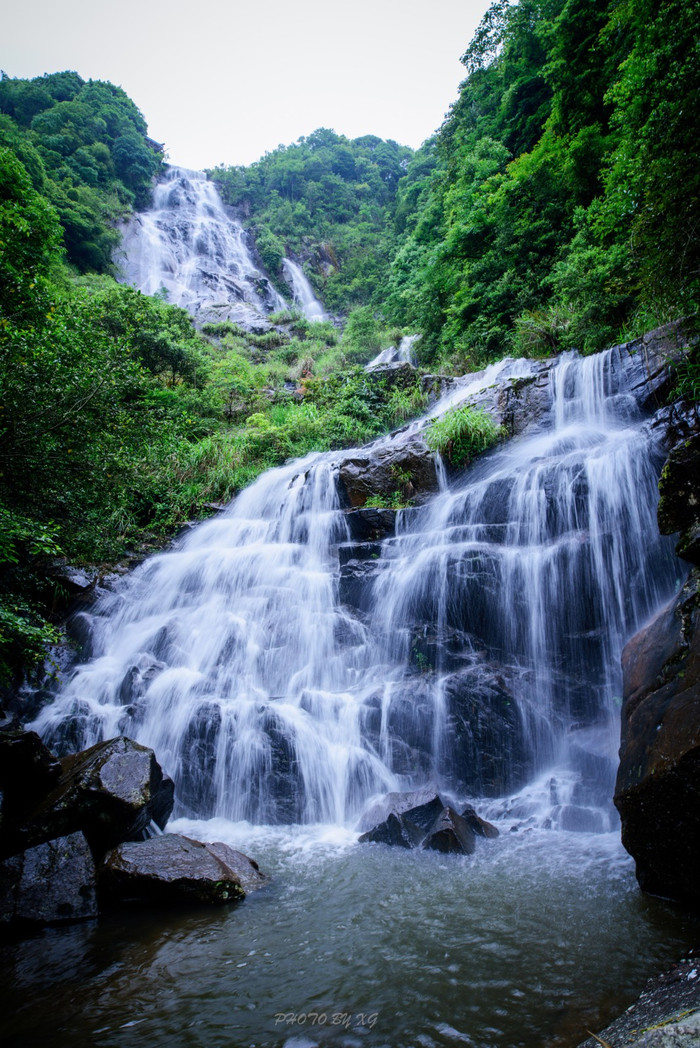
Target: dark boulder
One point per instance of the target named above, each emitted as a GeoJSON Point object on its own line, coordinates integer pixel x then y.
{"type": "Point", "coordinates": [450, 833]}
{"type": "Point", "coordinates": [649, 362]}
{"type": "Point", "coordinates": [658, 783]}
{"type": "Point", "coordinates": [112, 792]}
{"type": "Point", "coordinates": [428, 824]}
{"type": "Point", "coordinates": [49, 884]}
{"type": "Point", "coordinates": [355, 582]}
{"type": "Point", "coordinates": [479, 826]}
{"type": "Point", "coordinates": [28, 771]}
{"type": "Point", "coordinates": [395, 831]}
{"type": "Point", "coordinates": [370, 525]}
{"type": "Point", "coordinates": [400, 803]}
{"type": "Point", "coordinates": [486, 732]}
{"type": "Point", "coordinates": [403, 463]}
{"type": "Point", "coordinates": [679, 504]}
{"type": "Point", "coordinates": [174, 869]}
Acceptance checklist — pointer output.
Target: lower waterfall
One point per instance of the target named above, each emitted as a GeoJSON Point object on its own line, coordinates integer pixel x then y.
{"type": "Point", "coordinates": [479, 651]}
{"type": "Point", "coordinates": [287, 669]}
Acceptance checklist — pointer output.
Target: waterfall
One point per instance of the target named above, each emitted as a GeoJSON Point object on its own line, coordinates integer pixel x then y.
{"type": "Point", "coordinates": [302, 291]}
{"type": "Point", "coordinates": [396, 354]}
{"type": "Point", "coordinates": [189, 245]}
{"type": "Point", "coordinates": [479, 651]}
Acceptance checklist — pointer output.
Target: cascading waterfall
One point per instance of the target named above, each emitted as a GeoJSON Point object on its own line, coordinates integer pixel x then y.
{"type": "Point", "coordinates": [403, 353]}
{"type": "Point", "coordinates": [302, 292]}
{"type": "Point", "coordinates": [189, 245]}
{"type": "Point", "coordinates": [482, 653]}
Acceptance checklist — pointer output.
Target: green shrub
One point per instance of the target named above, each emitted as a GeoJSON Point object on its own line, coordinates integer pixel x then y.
{"type": "Point", "coordinates": [463, 433]}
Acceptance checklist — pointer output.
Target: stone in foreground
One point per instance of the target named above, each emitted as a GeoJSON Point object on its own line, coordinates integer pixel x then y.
{"type": "Point", "coordinates": [175, 869]}
{"type": "Point", "coordinates": [450, 833]}
{"type": "Point", "coordinates": [112, 792]}
{"type": "Point", "coordinates": [50, 884]}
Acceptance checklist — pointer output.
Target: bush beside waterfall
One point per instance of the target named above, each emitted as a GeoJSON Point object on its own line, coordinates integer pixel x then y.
{"type": "Point", "coordinates": [462, 433]}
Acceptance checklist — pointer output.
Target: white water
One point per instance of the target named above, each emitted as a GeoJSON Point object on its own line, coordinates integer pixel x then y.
{"type": "Point", "coordinates": [396, 354]}
{"type": "Point", "coordinates": [483, 654]}
{"type": "Point", "coordinates": [190, 245]}
{"type": "Point", "coordinates": [302, 292]}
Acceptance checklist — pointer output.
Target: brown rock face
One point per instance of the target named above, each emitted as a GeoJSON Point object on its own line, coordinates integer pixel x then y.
{"type": "Point", "coordinates": [176, 869]}
{"type": "Point", "coordinates": [658, 782]}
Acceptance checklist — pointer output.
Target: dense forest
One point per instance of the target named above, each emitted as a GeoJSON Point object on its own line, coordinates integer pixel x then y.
{"type": "Point", "coordinates": [558, 206]}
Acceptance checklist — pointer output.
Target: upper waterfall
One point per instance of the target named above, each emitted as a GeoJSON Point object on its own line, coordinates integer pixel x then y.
{"type": "Point", "coordinates": [190, 245]}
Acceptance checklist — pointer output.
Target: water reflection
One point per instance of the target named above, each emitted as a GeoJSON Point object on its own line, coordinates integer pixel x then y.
{"type": "Point", "coordinates": [534, 938]}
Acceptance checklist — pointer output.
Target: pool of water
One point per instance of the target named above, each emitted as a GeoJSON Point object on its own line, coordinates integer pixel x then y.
{"type": "Point", "coordinates": [530, 941]}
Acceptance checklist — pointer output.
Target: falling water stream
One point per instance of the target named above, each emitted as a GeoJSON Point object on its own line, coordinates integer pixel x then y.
{"type": "Point", "coordinates": [190, 247]}
{"type": "Point", "coordinates": [286, 672]}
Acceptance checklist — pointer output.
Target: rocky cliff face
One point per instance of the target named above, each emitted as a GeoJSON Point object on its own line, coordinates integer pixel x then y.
{"type": "Point", "coordinates": [658, 782]}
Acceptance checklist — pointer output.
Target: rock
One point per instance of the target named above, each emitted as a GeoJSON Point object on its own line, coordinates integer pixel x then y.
{"type": "Point", "coordinates": [402, 463]}
{"type": "Point", "coordinates": [370, 525]}
{"type": "Point", "coordinates": [395, 831]}
{"type": "Point", "coordinates": [450, 833]}
{"type": "Point", "coordinates": [355, 583]}
{"type": "Point", "coordinates": [679, 504]}
{"type": "Point", "coordinates": [394, 373]}
{"type": "Point", "coordinates": [658, 782]}
{"type": "Point", "coordinates": [429, 824]}
{"type": "Point", "coordinates": [522, 402]}
{"type": "Point", "coordinates": [399, 803]}
{"type": "Point", "coordinates": [576, 819]}
{"type": "Point", "coordinates": [111, 792]}
{"type": "Point", "coordinates": [650, 361]}
{"type": "Point", "coordinates": [480, 826]}
{"type": "Point", "coordinates": [666, 1014]}
{"type": "Point", "coordinates": [175, 869]}
{"type": "Point", "coordinates": [28, 770]}
{"type": "Point", "coordinates": [49, 884]}
{"type": "Point", "coordinates": [485, 733]}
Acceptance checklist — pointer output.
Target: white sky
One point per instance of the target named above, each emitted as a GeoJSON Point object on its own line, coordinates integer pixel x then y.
{"type": "Point", "coordinates": [225, 82]}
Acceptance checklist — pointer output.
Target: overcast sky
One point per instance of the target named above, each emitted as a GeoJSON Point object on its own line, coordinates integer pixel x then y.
{"type": "Point", "coordinates": [224, 81]}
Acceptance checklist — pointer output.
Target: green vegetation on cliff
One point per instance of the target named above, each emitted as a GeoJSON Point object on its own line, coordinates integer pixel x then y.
{"type": "Point", "coordinates": [563, 208]}
{"type": "Point", "coordinates": [328, 200]}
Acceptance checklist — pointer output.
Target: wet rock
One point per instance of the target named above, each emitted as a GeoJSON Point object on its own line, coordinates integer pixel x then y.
{"type": "Point", "coordinates": [665, 1015]}
{"type": "Point", "coordinates": [399, 803]}
{"type": "Point", "coordinates": [49, 884]}
{"type": "Point", "coordinates": [395, 831]}
{"type": "Point", "coordinates": [480, 826]}
{"type": "Point", "coordinates": [450, 833]}
{"type": "Point", "coordinates": [394, 374]}
{"type": "Point", "coordinates": [577, 819]}
{"type": "Point", "coordinates": [658, 783]}
{"type": "Point", "coordinates": [485, 732]}
{"type": "Point", "coordinates": [28, 770]}
{"type": "Point", "coordinates": [371, 525]}
{"type": "Point", "coordinates": [111, 792]}
{"type": "Point", "coordinates": [175, 869]}
{"type": "Point", "coordinates": [403, 463]}
{"type": "Point", "coordinates": [428, 824]}
{"type": "Point", "coordinates": [521, 403]}
{"type": "Point", "coordinates": [355, 583]}
{"type": "Point", "coordinates": [679, 504]}
{"type": "Point", "coordinates": [354, 551]}
{"type": "Point", "coordinates": [650, 361]}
